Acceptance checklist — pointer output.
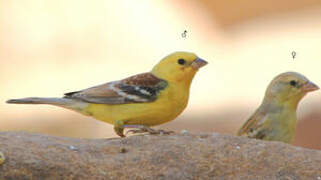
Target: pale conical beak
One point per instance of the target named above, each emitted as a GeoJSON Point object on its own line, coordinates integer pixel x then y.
{"type": "Point", "coordinates": [198, 63]}
{"type": "Point", "coordinates": [310, 86]}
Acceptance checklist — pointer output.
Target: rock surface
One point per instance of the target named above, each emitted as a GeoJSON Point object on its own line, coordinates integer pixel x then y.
{"type": "Point", "coordinates": [178, 156]}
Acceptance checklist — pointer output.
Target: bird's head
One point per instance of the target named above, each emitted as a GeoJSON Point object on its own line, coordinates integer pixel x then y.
{"type": "Point", "coordinates": [289, 88]}
{"type": "Point", "coordinates": [178, 67]}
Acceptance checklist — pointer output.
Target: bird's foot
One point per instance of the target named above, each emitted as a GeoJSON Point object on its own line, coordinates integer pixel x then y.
{"type": "Point", "coordinates": [119, 129]}
{"type": "Point", "coordinates": [144, 129]}
{"type": "Point", "coordinates": [2, 158]}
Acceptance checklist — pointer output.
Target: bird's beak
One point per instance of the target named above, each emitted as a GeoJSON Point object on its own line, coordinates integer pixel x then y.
{"type": "Point", "coordinates": [310, 86]}
{"type": "Point", "coordinates": [198, 63]}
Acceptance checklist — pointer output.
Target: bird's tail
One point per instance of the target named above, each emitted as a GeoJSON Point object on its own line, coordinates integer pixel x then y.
{"type": "Point", "coordinates": [62, 102]}
{"type": "Point", "coordinates": [72, 104]}
{"type": "Point", "coordinates": [37, 100]}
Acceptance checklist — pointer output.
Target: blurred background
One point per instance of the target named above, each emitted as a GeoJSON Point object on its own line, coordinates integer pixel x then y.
{"type": "Point", "coordinates": [48, 48]}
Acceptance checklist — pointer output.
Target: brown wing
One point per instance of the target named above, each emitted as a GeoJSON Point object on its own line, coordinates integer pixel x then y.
{"type": "Point", "coordinates": [253, 127]}
{"type": "Point", "coordinates": [135, 89]}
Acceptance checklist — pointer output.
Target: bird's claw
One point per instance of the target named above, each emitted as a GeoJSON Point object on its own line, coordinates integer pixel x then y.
{"type": "Point", "coordinates": [160, 131]}
{"type": "Point", "coordinates": [149, 130]}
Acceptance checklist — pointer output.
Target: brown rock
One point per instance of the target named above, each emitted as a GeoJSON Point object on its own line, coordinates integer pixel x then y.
{"type": "Point", "coordinates": [178, 156]}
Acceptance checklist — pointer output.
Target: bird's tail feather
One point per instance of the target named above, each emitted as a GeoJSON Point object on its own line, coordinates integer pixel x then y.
{"type": "Point", "coordinates": [37, 100]}
{"type": "Point", "coordinates": [71, 104]}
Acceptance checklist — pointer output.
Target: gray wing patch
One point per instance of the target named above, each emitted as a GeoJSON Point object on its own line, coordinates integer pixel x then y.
{"type": "Point", "coordinates": [103, 100]}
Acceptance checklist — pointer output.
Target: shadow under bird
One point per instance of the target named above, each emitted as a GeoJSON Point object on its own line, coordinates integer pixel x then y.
{"type": "Point", "coordinates": [275, 119]}
{"type": "Point", "coordinates": [139, 101]}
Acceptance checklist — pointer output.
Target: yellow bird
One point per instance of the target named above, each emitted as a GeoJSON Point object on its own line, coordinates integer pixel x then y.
{"type": "Point", "coordinates": [139, 101]}
{"type": "Point", "coordinates": [275, 119]}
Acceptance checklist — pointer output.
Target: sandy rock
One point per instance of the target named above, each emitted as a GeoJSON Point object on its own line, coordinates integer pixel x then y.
{"type": "Point", "coordinates": [178, 156]}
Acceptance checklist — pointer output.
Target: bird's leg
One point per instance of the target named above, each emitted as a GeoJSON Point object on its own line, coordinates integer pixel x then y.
{"type": "Point", "coordinates": [119, 128]}
{"type": "Point", "coordinates": [143, 129]}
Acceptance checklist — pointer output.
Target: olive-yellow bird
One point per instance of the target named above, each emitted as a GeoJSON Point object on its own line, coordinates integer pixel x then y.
{"type": "Point", "coordinates": [275, 119]}
{"type": "Point", "coordinates": [139, 101]}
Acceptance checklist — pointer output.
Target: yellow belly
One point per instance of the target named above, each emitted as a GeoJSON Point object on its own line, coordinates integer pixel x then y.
{"type": "Point", "coordinates": [166, 108]}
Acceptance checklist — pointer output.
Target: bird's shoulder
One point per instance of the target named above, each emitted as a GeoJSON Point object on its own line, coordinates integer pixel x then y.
{"type": "Point", "coordinates": [143, 79]}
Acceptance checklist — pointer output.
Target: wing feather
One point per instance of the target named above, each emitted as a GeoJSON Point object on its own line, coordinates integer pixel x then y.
{"type": "Point", "coordinates": [253, 126]}
{"type": "Point", "coordinates": [135, 89]}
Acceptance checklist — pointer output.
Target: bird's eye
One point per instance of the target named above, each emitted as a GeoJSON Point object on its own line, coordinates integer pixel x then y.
{"type": "Point", "coordinates": [181, 61]}
{"type": "Point", "coordinates": [293, 83]}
